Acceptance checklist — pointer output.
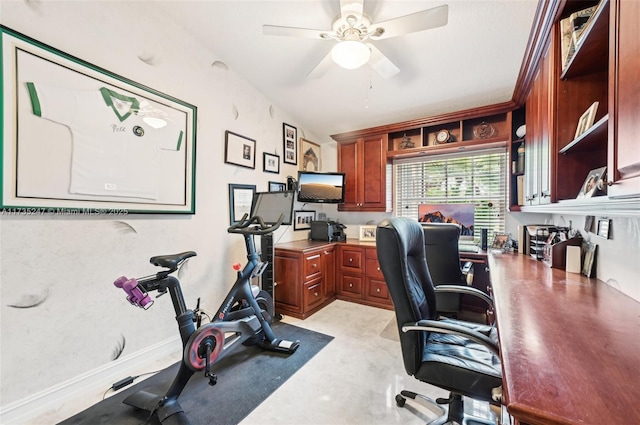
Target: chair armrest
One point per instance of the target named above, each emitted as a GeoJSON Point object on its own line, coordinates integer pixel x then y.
{"type": "Point", "coordinates": [436, 326]}
{"type": "Point", "coordinates": [460, 289]}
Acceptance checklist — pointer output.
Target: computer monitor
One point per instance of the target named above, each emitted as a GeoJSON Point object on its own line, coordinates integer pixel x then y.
{"type": "Point", "coordinates": [321, 188]}
{"type": "Point", "coordinates": [462, 214]}
{"type": "Point", "coordinates": [269, 206]}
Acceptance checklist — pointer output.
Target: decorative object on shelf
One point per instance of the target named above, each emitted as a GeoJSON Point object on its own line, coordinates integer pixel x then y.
{"type": "Point", "coordinates": [239, 150]}
{"type": "Point", "coordinates": [271, 163]}
{"type": "Point", "coordinates": [588, 258]}
{"type": "Point", "coordinates": [593, 183]}
{"type": "Point", "coordinates": [406, 142]}
{"type": "Point", "coordinates": [289, 137]}
{"type": "Point", "coordinates": [309, 155]}
{"type": "Point", "coordinates": [580, 21]}
{"type": "Point", "coordinates": [520, 163]}
{"type": "Point", "coordinates": [586, 120]}
{"type": "Point", "coordinates": [484, 130]}
{"type": "Point", "coordinates": [367, 233]}
{"type": "Point", "coordinates": [277, 187]}
{"type": "Point", "coordinates": [302, 219]}
{"type": "Point", "coordinates": [521, 131]}
{"type": "Point", "coordinates": [442, 136]}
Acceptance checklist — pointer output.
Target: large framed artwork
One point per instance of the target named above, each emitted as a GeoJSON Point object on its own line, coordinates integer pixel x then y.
{"type": "Point", "coordinates": [78, 138]}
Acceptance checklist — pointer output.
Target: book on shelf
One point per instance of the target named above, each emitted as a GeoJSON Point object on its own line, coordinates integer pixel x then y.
{"type": "Point", "coordinates": [520, 189]}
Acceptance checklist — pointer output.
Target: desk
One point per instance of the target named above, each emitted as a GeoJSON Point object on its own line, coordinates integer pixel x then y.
{"type": "Point", "coordinates": [570, 345]}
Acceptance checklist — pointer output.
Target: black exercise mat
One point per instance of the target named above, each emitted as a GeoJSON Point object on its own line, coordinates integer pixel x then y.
{"type": "Point", "coordinates": [246, 377]}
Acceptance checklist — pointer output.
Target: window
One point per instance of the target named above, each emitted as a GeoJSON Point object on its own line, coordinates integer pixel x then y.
{"type": "Point", "coordinates": [478, 177]}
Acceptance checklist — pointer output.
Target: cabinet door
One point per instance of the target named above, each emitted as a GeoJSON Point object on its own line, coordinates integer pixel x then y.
{"type": "Point", "coordinates": [329, 271]}
{"type": "Point", "coordinates": [364, 163]}
{"type": "Point", "coordinates": [287, 275]}
{"type": "Point", "coordinates": [624, 148]}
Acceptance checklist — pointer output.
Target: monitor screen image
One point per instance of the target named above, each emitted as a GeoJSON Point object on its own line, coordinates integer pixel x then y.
{"type": "Point", "coordinates": [269, 206]}
{"type": "Point", "coordinates": [320, 187]}
{"type": "Point", "coordinates": [462, 214]}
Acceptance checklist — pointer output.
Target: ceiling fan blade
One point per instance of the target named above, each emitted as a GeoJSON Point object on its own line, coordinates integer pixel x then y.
{"type": "Point", "coordinates": [419, 21]}
{"type": "Point", "coordinates": [322, 67]}
{"type": "Point", "coordinates": [381, 64]}
{"type": "Point", "coordinates": [293, 32]}
{"type": "Point", "coordinates": [351, 7]}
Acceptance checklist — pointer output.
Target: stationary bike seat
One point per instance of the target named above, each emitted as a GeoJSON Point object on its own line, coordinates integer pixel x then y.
{"type": "Point", "coordinates": [171, 261]}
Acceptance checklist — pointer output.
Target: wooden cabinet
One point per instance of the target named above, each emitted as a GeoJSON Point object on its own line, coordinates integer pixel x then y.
{"type": "Point", "coordinates": [624, 99]}
{"type": "Point", "coordinates": [360, 278]}
{"type": "Point", "coordinates": [363, 160]}
{"type": "Point", "coordinates": [305, 278]}
{"type": "Point", "coordinates": [537, 173]}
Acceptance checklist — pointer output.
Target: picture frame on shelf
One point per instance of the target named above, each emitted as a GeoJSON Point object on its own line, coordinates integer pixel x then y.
{"type": "Point", "coordinates": [586, 120]}
{"type": "Point", "coordinates": [588, 251]}
{"type": "Point", "coordinates": [310, 158]}
{"type": "Point", "coordinates": [367, 233]}
{"type": "Point", "coordinates": [271, 163]}
{"type": "Point", "coordinates": [302, 219]}
{"type": "Point", "coordinates": [239, 150]}
{"type": "Point", "coordinates": [54, 162]}
{"type": "Point", "coordinates": [593, 183]}
{"type": "Point", "coordinates": [277, 187]}
{"type": "Point", "coordinates": [240, 198]}
{"type": "Point", "coordinates": [290, 146]}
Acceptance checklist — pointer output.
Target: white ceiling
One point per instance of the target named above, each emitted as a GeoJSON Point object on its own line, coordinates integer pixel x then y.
{"type": "Point", "coordinates": [472, 61]}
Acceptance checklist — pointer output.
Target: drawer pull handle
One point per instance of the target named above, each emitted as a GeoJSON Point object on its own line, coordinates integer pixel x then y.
{"type": "Point", "coordinates": [378, 268]}
{"type": "Point", "coordinates": [314, 265]}
{"type": "Point", "coordinates": [378, 290]}
{"type": "Point", "coordinates": [351, 285]}
{"type": "Point", "coordinates": [351, 260]}
{"type": "Point", "coordinates": [315, 293]}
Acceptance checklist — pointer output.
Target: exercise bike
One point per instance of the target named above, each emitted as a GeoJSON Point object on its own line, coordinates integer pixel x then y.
{"type": "Point", "coordinates": [243, 317]}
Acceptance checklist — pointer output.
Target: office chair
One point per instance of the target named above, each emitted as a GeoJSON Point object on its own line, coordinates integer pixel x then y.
{"type": "Point", "coordinates": [443, 258]}
{"type": "Point", "coordinates": [449, 354]}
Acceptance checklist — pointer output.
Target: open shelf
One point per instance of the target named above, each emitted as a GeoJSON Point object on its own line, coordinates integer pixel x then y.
{"type": "Point", "coordinates": [593, 138]}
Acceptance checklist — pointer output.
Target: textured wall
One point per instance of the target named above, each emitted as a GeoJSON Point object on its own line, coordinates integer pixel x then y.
{"type": "Point", "coordinates": [60, 314]}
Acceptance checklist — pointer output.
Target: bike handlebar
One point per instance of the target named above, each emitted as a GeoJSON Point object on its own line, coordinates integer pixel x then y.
{"type": "Point", "coordinates": [260, 229]}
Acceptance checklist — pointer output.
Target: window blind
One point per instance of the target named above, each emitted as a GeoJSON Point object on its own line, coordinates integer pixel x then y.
{"type": "Point", "coordinates": [478, 177]}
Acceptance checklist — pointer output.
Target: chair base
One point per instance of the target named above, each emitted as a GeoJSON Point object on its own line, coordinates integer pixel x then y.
{"type": "Point", "coordinates": [450, 411]}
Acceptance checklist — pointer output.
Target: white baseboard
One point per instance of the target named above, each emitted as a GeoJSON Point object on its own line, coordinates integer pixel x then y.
{"type": "Point", "coordinates": [82, 387]}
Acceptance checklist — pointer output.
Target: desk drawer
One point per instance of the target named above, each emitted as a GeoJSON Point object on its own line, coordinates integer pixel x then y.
{"type": "Point", "coordinates": [351, 260]}
{"type": "Point", "coordinates": [350, 285]}
{"type": "Point", "coordinates": [312, 293]}
{"type": "Point", "coordinates": [312, 266]}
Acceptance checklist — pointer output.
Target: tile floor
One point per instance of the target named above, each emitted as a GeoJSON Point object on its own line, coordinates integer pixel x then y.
{"type": "Point", "coordinates": [353, 380]}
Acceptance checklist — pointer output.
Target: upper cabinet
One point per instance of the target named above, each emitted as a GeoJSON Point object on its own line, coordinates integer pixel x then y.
{"type": "Point", "coordinates": [363, 160]}
{"type": "Point", "coordinates": [624, 99]}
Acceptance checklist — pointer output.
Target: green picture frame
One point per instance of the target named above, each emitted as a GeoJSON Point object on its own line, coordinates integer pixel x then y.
{"type": "Point", "coordinates": [133, 146]}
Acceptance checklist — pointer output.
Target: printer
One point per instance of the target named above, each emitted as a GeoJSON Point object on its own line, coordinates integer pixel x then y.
{"type": "Point", "coordinates": [328, 231]}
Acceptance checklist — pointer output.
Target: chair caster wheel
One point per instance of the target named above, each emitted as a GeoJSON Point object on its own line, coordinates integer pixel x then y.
{"type": "Point", "coordinates": [400, 401]}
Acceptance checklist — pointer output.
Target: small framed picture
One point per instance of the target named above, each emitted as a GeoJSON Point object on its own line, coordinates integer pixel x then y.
{"type": "Point", "coordinates": [289, 140]}
{"type": "Point", "coordinates": [302, 219]}
{"type": "Point", "coordinates": [367, 233]}
{"type": "Point", "coordinates": [309, 155]}
{"type": "Point", "coordinates": [239, 150]}
{"type": "Point", "coordinates": [240, 198]}
{"type": "Point", "coordinates": [500, 242]}
{"type": "Point", "coordinates": [588, 258]}
{"type": "Point", "coordinates": [271, 163]}
{"type": "Point", "coordinates": [586, 120]}
{"type": "Point", "coordinates": [277, 187]}
{"type": "Point", "coordinates": [592, 183]}
{"type": "Point", "coordinates": [603, 227]}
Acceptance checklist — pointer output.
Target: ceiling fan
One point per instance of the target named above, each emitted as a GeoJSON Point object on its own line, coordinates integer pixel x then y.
{"type": "Point", "coordinates": [354, 33]}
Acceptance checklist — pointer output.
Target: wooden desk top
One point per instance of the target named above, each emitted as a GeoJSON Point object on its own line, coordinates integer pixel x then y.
{"type": "Point", "coordinates": [570, 345]}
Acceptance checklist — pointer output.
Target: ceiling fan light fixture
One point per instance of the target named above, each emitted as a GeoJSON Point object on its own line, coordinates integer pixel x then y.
{"type": "Point", "coordinates": [350, 54]}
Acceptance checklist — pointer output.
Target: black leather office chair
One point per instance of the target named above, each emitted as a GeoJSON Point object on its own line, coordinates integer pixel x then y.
{"type": "Point", "coordinates": [449, 354]}
{"type": "Point", "coordinates": [443, 258]}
